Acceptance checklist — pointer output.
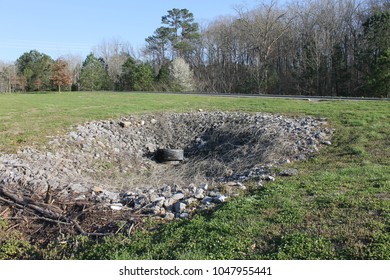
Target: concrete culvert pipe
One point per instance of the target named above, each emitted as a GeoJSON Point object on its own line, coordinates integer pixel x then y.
{"type": "Point", "coordinates": [163, 155]}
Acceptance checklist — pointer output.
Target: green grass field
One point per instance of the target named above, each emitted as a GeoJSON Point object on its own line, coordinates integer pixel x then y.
{"type": "Point", "coordinates": [337, 208]}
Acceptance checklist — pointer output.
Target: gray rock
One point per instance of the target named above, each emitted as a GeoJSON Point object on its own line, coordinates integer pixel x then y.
{"type": "Point", "coordinates": [155, 198]}
{"type": "Point", "coordinates": [177, 196]}
{"type": "Point", "coordinates": [179, 207]}
{"type": "Point", "coordinates": [78, 188]}
{"type": "Point", "coordinates": [114, 196]}
{"type": "Point", "coordinates": [169, 216]}
{"type": "Point", "coordinates": [289, 172]}
{"type": "Point", "coordinates": [73, 135]}
{"type": "Point", "coordinates": [184, 216]}
{"type": "Point", "coordinates": [207, 200]}
{"type": "Point", "coordinates": [116, 206]}
{"type": "Point", "coordinates": [151, 147]}
{"type": "Point", "coordinates": [219, 198]}
{"type": "Point", "coordinates": [169, 202]}
{"type": "Point", "coordinates": [199, 193]}
{"type": "Point", "coordinates": [268, 178]}
{"type": "Point", "coordinates": [125, 124]}
{"type": "Point", "coordinates": [213, 193]}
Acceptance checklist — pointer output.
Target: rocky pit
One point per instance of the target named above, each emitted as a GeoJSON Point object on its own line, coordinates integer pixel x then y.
{"type": "Point", "coordinates": [103, 172]}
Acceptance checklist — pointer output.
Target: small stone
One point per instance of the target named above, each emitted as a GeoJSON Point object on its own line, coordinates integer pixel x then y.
{"type": "Point", "coordinates": [268, 178]}
{"type": "Point", "coordinates": [184, 216]}
{"type": "Point", "coordinates": [319, 135]}
{"type": "Point", "coordinates": [301, 157]}
{"type": "Point", "coordinates": [204, 186]}
{"type": "Point", "coordinates": [168, 202]}
{"type": "Point", "coordinates": [125, 124]}
{"type": "Point", "coordinates": [77, 188]}
{"type": "Point", "coordinates": [153, 121]}
{"type": "Point", "coordinates": [285, 161]}
{"type": "Point", "coordinates": [151, 147]}
{"type": "Point", "coordinates": [207, 200]}
{"type": "Point", "coordinates": [111, 195]}
{"type": "Point", "coordinates": [154, 210]}
{"type": "Point", "coordinates": [177, 196]}
{"type": "Point", "coordinates": [289, 172]}
{"type": "Point", "coordinates": [238, 185]}
{"type": "Point", "coordinates": [179, 207]}
{"type": "Point", "coordinates": [241, 186]}
{"type": "Point", "coordinates": [219, 198]}
{"type": "Point", "coordinates": [101, 144]}
{"type": "Point", "coordinates": [81, 197]}
{"type": "Point", "coordinates": [213, 194]}
{"type": "Point", "coordinates": [156, 198]}
{"type": "Point", "coordinates": [199, 193]}
{"type": "Point", "coordinates": [116, 206]}
{"type": "Point", "coordinates": [328, 143]}
{"type": "Point", "coordinates": [169, 216]}
{"type": "Point", "coordinates": [73, 135]}
{"type": "Point", "coordinates": [160, 203]}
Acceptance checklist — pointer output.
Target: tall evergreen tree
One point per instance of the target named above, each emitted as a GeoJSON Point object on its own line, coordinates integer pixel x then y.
{"type": "Point", "coordinates": [136, 76]}
{"type": "Point", "coordinates": [180, 32]}
{"type": "Point", "coordinates": [93, 74]}
{"type": "Point", "coordinates": [126, 80]}
{"type": "Point", "coordinates": [377, 54]}
{"type": "Point", "coordinates": [35, 67]}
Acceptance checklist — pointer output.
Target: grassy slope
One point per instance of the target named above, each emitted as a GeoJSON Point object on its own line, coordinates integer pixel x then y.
{"type": "Point", "coordinates": [338, 208]}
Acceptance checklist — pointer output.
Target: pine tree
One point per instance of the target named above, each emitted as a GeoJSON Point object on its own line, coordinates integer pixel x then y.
{"type": "Point", "coordinates": [94, 75]}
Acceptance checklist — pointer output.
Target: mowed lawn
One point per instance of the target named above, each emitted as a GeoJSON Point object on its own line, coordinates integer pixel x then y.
{"type": "Point", "coordinates": [337, 208]}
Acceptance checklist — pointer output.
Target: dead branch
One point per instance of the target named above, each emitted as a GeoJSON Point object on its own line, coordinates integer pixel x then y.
{"type": "Point", "coordinates": [54, 214]}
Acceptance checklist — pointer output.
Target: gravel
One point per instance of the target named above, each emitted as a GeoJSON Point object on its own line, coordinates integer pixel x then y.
{"type": "Point", "coordinates": [112, 162]}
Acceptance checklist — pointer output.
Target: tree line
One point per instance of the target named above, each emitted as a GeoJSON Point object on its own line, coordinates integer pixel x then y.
{"type": "Point", "coordinates": [325, 47]}
{"type": "Point", "coordinates": [311, 47]}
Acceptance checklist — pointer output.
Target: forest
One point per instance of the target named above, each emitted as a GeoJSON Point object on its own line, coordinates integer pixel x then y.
{"type": "Point", "coordinates": [310, 47]}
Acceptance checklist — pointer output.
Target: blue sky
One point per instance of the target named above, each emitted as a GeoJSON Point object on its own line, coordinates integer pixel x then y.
{"type": "Point", "coordinates": [62, 27]}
